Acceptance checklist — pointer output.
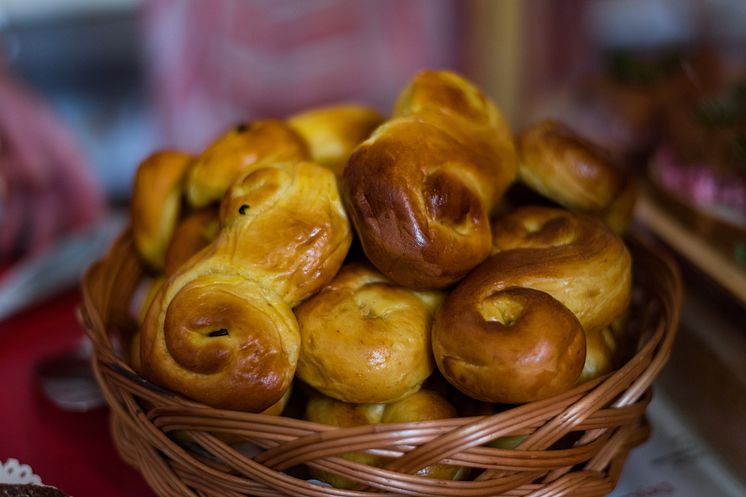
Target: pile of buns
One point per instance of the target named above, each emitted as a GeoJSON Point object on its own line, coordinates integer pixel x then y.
{"type": "Point", "coordinates": [362, 257]}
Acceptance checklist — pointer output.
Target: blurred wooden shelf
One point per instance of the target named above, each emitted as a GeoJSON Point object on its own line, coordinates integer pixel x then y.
{"type": "Point", "coordinates": [692, 245]}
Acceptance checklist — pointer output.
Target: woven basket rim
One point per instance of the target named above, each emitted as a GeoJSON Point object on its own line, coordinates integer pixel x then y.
{"type": "Point", "coordinates": [592, 407]}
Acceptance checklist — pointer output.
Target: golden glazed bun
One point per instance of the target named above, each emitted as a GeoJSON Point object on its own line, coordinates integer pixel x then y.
{"type": "Point", "coordinates": [573, 257]}
{"type": "Point", "coordinates": [332, 133]}
{"type": "Point", "coordinates": [365, 339]}
{"type": "Point", "coordinates": [286, 227]}
{"type": "Point", "coordinates": [419, 191]}
{"type": "Point", "coordinates": [221, 329]}
{"type": "Point", "coordinates": [239, 151]}
{"type": "Point", "coordinates": [223, 340]}
{"type": "Point", "coordinates": [514, 330]}
{"type": "Point", "coordinates": [421, 406]}
{"type": "Point", "coordinates": [193, 233]}
{"type": "Point", "coordinates": [563, 166]}
{"type": "Point", "coordinates": [156, 203]}
{"type": "Point", "coordinates": [600, 354]}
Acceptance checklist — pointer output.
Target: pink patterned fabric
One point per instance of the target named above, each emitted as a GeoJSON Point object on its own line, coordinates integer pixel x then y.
{"type": "Point", "coordinates": [220, 62]}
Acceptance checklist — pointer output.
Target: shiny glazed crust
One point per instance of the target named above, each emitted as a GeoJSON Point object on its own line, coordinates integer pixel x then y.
{"type": "Point", "coordinates": [237, 152]}
{"type": "Point", "coordinates": [574, 172]}
{"type": "Point", "coordinates": [332, 133]}
{"type": "Point", "coordinates": [419, 191]}
{"type": "Point", "coordinates": [365, 339]}
{"type": "Point", "coordinates": [156, 203]}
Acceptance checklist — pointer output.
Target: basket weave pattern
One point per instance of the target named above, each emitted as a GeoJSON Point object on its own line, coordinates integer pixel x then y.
{"type": "Point", "coordinates": [604, 418]}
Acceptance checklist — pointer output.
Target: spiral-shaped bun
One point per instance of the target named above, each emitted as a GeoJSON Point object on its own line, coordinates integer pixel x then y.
{"type": "Point", "coordinates": [573, 257]}
{"type": "Point", "coordinates": [243, 149]}
{"type": "Point", "coordinates": [514, 329]}
{"type": "Point", "coordinates": [226, 342]}
{"type": "Point", "coordinates": [419, 191]}
{"type": "Point", "coordinates": [507, 345]}
{"type": "Point", "coordinates": [333, 132]}
{"type": "Point", "coordinates": [221, 329]}
{"type": "Point", "coordinates": [365, 339]}
{"type": "Point", "coordinates": [563, 166]}
{"type": "Point", "coordinates": [156, 203]}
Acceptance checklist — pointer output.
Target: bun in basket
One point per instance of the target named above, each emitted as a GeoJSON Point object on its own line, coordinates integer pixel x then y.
{"type": "Point", "coordinates": [245, 148]}
{"type": "Point", "coordinates": [563, 166]}
{"type": "Point", "coordinates": [419, 191]}
{"type": "Point", "coordinates": [221, 329]}
{"type": "Point", "coordinates": [514, 330]}
{"type": "Point", "coordinates": [365, 339]}
{"type": "Point", "coordinates": [156, 203]}
{"type": "Point", "coordinates": [193, 233]}
{"type": "Point", "coordinates": [333, 132]}
{"type": "Point", "coordinates": [420, 406]}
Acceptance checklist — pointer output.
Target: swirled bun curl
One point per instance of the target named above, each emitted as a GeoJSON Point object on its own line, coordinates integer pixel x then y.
{"type": "Point", "coordinates": [365, 339]}
{"type": "Point", "coordinates": [573, 257]}
{"type": "Point", "coordinates": [419, 191]}
{"type": "Point", "coordinates": [221, 330]}
{"type": "Point", "coordinates": [222, 340]}
{"type": "Point", "coordinates": [156, 203]}
{"type": "Point", "coordinates": [514, 330]}
{"type": "Point", "coordinates": [421, 406]}
{"type": "Point", "coordinates": [239, 151]}
{"type": "Point", "coordinates": [506, 345]}
{"type": "Point", "coordinates": [333, 132]}
{"type": "Point", "coordinates": [563, 166]}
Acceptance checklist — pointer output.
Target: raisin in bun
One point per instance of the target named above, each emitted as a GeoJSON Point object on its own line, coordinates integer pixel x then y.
{"type": "Point", "coordinates": [365, 339]}
{"type": "Point", "coordinates": [514, 330]}
{"type": "Point", "coordinates": [420, 190]}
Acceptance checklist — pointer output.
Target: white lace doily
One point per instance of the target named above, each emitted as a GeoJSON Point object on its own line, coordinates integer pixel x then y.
{"type": "Point", "coordinates": [13, 472]}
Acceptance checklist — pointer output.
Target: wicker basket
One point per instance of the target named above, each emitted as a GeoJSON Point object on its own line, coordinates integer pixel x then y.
{"type": "Point", "coordinates": [179, 446]}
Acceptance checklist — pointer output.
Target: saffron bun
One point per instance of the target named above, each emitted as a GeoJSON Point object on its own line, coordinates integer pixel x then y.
{"type": "Point", "coordinates": [600, 358]}
{"type": "Point", "coordinates": [221, 329]}
{"type": "Point", "coordinates": [423, 405]}
{"type": "Point", "coordinates": [285, 226]}
{"type": "Point", "coordinates": [155, 205]}
{"type": "Point", "coordinates": [514, 330]}
{"type": "Point", "coordinates": [573, 257]}
{"type": "Point", "coordinates": [194, 232]}
{"type": "Point", "coordinates": [332, 133]}
{"type": "Point", "coordinates": [419, 191]}
{"type": "Point", "coordinates": [237, 152]}
{"type": "Point", "coordinates": [574, 172]}
{"type": "Point", "coordinates": [365, 339]}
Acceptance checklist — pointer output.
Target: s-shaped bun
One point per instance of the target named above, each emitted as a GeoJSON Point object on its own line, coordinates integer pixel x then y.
{"type": "Point", "coordinates": [514, 330]}
{"type": "Point", "coordinates": [419, 191]}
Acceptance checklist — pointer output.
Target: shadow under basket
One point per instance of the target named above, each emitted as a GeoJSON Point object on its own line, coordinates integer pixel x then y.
{"type": "Point", "coordinates": [181, 446]}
